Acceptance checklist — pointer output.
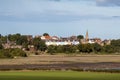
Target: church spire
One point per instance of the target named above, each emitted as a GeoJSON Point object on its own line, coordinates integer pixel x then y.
{"type": "Point", "coordinates": [87, 36]}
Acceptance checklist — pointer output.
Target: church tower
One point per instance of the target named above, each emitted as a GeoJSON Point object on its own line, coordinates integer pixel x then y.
{"type": "Point", "coordinates": [87, 37]}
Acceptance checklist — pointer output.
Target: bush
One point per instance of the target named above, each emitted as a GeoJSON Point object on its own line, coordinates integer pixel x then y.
{"type": "Point", "coordinates": [52, 49]}
{"type": "Point", "coordinates": [85, 48]}
{"type": "Point", "coordinates": [11, 53]}
{"type": "Point", "coordinates": [5, 54]}
{"type": "Point", "coordinates": [18, 52]}
{"type": "Point", "coordinates": [97, 48]}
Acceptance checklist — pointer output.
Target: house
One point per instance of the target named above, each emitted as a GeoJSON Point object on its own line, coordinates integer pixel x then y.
{"type": "Point", "coordinates": [95, 40]}
{"type": "Point", "coordinates": [61, 41]}
{"type": "Point", "coordinates": [55, 38]}
{"type": "Point", "coordinates": [46, 38]}
{"type": "Point", "coordinates": [106, 42]}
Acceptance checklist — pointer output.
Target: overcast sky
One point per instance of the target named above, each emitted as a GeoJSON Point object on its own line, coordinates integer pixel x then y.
{"type": "Point", "coordinates": [61, 17]}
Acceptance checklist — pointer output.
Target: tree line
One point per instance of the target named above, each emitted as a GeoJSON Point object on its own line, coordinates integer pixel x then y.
{"type": "Point", "coordinates": [113, 48]}
{"type": "Point", "coordinates": [39, 45]}
{"type": "Point", "coordinates": [19, 40]}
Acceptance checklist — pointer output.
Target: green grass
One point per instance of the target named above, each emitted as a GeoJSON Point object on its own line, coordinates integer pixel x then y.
{"type": "Point", "coordinates": [57, 75]}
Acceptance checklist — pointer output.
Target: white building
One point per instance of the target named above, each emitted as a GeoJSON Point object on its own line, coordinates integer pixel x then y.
{"type": "Point", "coordinates": [57, 43]}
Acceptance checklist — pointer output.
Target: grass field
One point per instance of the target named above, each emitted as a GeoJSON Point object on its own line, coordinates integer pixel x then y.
{"type": "Point", "coordinates": [57, 75]}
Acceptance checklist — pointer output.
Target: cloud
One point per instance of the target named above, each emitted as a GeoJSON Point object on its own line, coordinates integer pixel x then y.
{"type": "Point", "coordinates": [40, 10]}
{"type": "Point", "coordinates": [108, 2]}
{"type": "Point", "coordinates": [52, 11]}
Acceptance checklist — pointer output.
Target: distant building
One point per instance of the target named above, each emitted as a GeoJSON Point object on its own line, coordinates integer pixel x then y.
{"type": "Point", "coordinates": [54, 40]}
{"type": "Point", "coordinates": [46, 37]}
{"type": "Point", "coordinates": [61, 42]}
{"type": "Point", "coordinates": [86, 39]}
{"type": "Point", "coordinates": [106, 42]}
{"type": "Point", "coordinates": [95, 40]}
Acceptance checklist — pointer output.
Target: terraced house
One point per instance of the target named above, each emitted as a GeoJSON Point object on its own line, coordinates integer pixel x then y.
{"type": "Point", "coordinates": [54, 40]}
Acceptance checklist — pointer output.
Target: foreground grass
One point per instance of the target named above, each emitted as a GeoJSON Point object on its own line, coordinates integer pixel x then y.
{"type": "Point", "coordinates": [57, 75]}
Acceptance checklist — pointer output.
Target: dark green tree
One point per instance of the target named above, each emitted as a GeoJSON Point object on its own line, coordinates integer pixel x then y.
{"type": "Point", "coordinates": [22, 40]}
{"type": "Point", "coordinates": [39, 44]}
{"type": "Point", "coordinates": [14, 37]}
{"type": "Point", "coordinates": [60, 49]}
{"type": "Point", "coordinates": [45, 34]}
{"type": "Point", "coordinates": [85, 48]}
{"type": "Point", "coordinates": [42, 45]}
{"type": "Point", "coordinates": [109, 49]}
{"type": "Point", "coordinates": [97, 48]}
{"type": "Point", "coordinates": [11, 53]}
{"type": "Point", "coordinates": [80, 37]}
{"type": "Point", "coordinates": [51, 49]}
{"type": "Point", "coordinates": [116, 45]}
{"type": "Point", "coordinates": [69, 49]}
{"type": "Point", "coordinates": [1, 46]}
{"type": "Point", "coordinates": [3, 39]}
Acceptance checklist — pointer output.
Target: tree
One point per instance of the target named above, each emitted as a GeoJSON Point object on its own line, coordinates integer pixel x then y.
{"type": "Point", "coordinates": [116, 45]}
{"type": "Point", "coordinates": [1, 46]}
{"type": "Point", "coordinates": [11, 53]}
{"type": "Point", "coordinates": [17, 52]}
{"type": "Point", "coordinates": [69, 49]}
{"type": "Point", "coordinates": [0, 35]}
{"type": "Point", "coordinates": [85, 48]}
{"type": "Point", "coordinates": [39, 44]}
{"type": "Point", "coordinates": [14, 37]}
{"type": "Point", "coordinates": [97, 48]}
{"type": "Point", "coordinates": [42, 46]}
{"type": "Point", "coordinates": [80, 37]}
{"type": "Point", "coordinates": [22, 40]}
{"type": "Point", "coordinates": [3, 39]}
{"type": "Point", "coordinates": [45, 34]}
{"type": "Point", "coordinates": [109, 49]}
{"type": "Point", "coordinates": [115, 42]}
{"type": "Point", "coordinates": [51, 49]}
{"type": "Point", "coordinates": [59, 49]}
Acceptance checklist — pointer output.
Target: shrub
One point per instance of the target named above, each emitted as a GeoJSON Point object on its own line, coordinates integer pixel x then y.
{"type": "Point", "coordinates": [11, 53]}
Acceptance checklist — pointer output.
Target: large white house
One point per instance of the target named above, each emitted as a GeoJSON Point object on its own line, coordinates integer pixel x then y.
{"type": "Point", "coordinates": [54, 40]}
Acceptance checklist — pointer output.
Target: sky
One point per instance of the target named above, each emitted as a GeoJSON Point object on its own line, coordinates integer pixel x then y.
{"type": "Point", "coordinates": [61, 17]}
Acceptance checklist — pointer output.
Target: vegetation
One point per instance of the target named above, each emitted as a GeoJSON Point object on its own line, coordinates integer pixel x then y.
{"type": "Point", "coordinates": [80, 37]}
{"type": "Point", "coordinates": [62, 49]}
{"type": "Point", "coordinates": [57, 75]}
{"type": "Point", "coordinates": [39, 45]}
{"type": "Point", "coordinates": [11, 53]}
{"type": "Point", "coordinates": [45, 34]}
{"type": "Point", "coordinates": [1, 46]}
{"type": "Point", "coordinates": [114, 47]}
{"type": "Point", "coordinates": [82, 48]}
{"type": "Point", "coordinates": [85, 48]}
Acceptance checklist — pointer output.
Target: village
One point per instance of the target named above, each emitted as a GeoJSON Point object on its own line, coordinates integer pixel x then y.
{"type": "Point", "coordinates": [58, 41]}
{"type": "Point", "coordinates": [73, 40]}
